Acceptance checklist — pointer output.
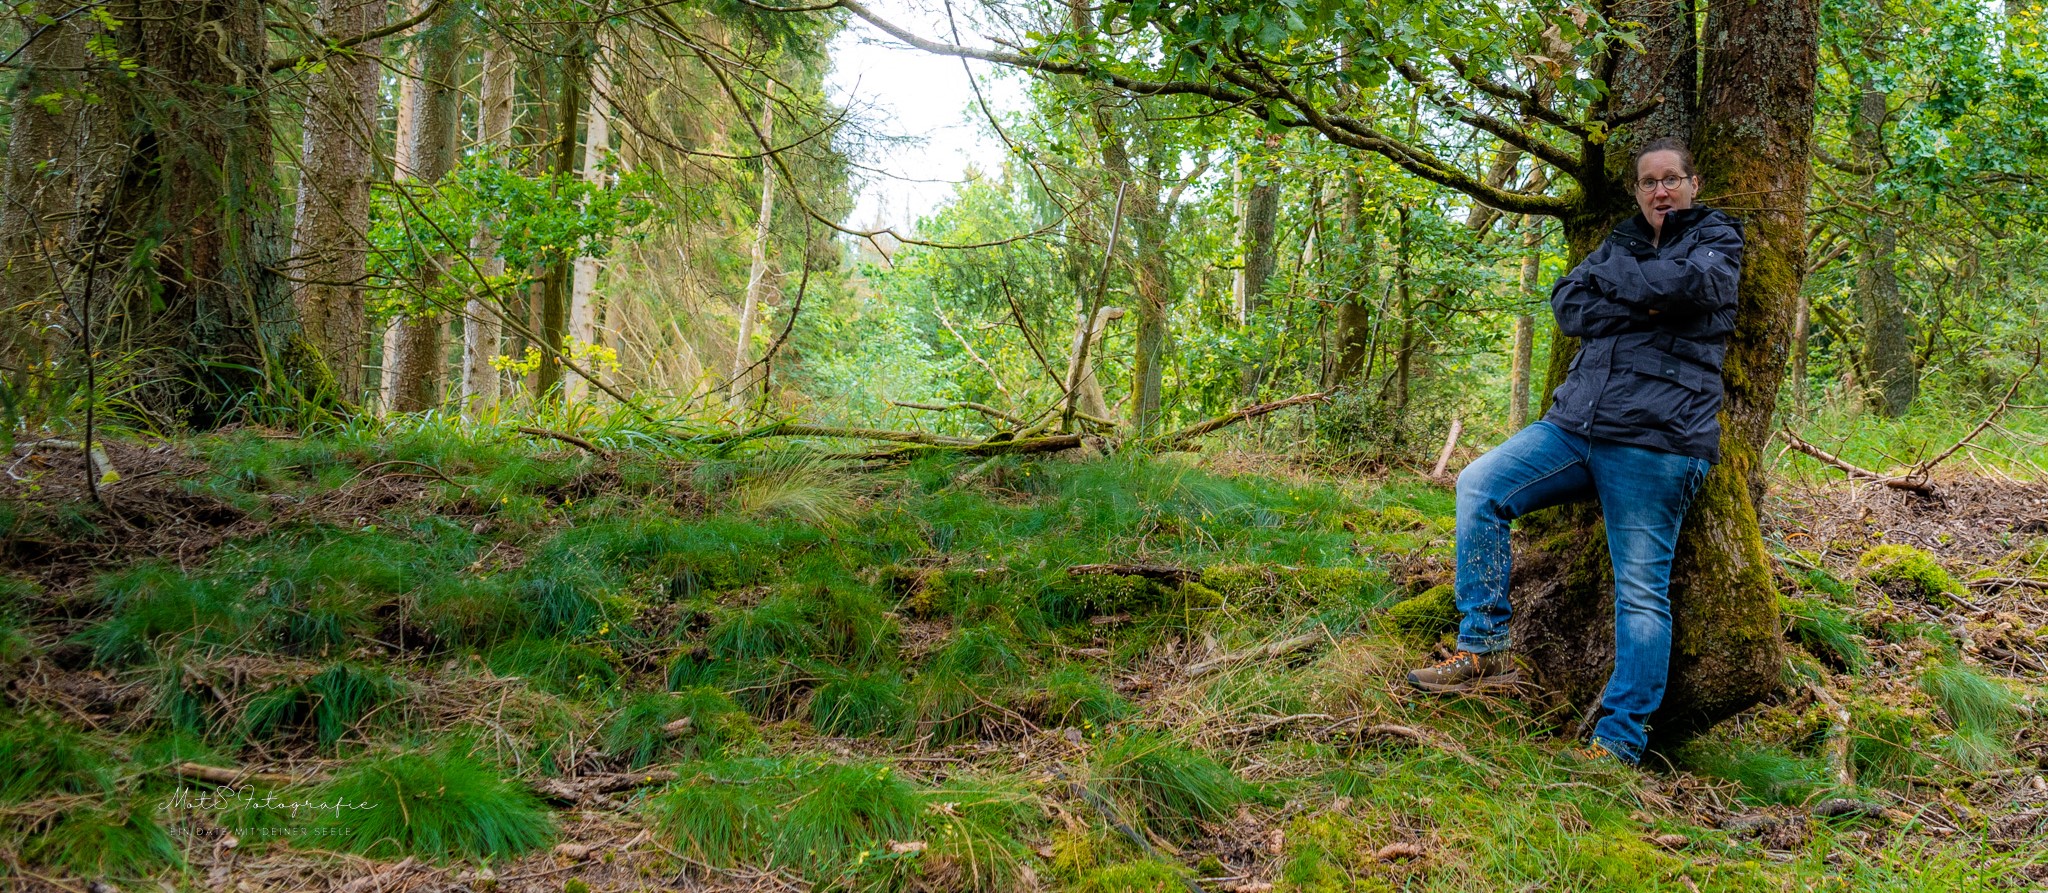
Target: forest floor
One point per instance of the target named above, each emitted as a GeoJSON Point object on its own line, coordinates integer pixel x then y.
{"type": "Point", "coordinates": [476, 662]}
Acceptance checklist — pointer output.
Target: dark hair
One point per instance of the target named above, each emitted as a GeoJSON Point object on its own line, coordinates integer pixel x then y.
{"type": "Point", "coordinates": [1662, 144]}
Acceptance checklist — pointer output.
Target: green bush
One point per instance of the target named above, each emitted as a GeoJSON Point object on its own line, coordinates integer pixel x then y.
{"type": "Point", "coordinates": [435, 805]}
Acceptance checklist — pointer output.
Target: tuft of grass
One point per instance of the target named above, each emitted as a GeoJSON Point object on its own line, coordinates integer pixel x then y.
{"type": "Point", "coordinates": [989, 649]}
{"type": "Point", "coordinates": [329, 705]}
{"type": "Point", "coordinates": [843, 810]}
{"type": "Point", "coordinates": [639, 731]}
{"type": "Point", "coordinates": [853, 625]}
{"type": "Point", "coordinates": [1978, 711]}
{"type": "Point", "coordinates": [976, 826]}
{"type": "Point", "coordinates": [1884, 743]}
{"type": "Point", "coordinates": [721, 815]}
{"type": "Point", "coordinates": [859, 704]}
{"type": "Point", "coordinates": [153, 603]}
{"type": "Point", "coordinates": [1173, 787]}
{"type": "Point", "coordinates": [1827, 632]}
{"type": "Point", "coordinates": [110, 840]}
{"type": "Point", "coordinates": [552, 665]}
{"type": "Point", "coordinates": [561, 604]}
{"type": "Point", "coordinates": [1075, 697]}
{"type": "Point", "coordinates": [797, 484]}
{"type": "Point", "coordinates": [1766, 775]}
{"type": "Point", "coordinates": [436, 805]}
{"type": "Point", "coordinates": [43, 758]}
{"type": "Point", "coordinates": [777, 627]}
{"type": "Point", "coordinates": [946, 707]}
{"type": "Point", "coordinates": [469, 611]}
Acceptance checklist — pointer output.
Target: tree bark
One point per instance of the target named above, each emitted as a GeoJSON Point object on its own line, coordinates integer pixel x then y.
{"type": "Point", "coordinates": [414, 369]}
{"type": "Point", "coordinates": [482, 330]}
{"type": "Point", "coordinates": [1354, 308]}
{"type": "Point", "coordinates": [597, 142]}
{"type": "Point", "coordinates": [1522, 353]}
{"type": "Point", "coordinates": [1255, 234]}
{"type": "Point", "coordinates": [198, 186]}
{"type": "Point", "coordinates": [1894, 379]}
{"type": "Point", "coordinates": [330, 236]}
{"type": "Point", "coordinates": [743, 377]}
{"type": "Point", "coordinates": [554, 295]}
{"type": "Point", "coordinates": [58, 145]}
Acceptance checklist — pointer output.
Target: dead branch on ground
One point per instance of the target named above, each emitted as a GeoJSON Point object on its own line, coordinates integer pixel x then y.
{"type": "Point", "coordinates": [569, 439]}
{"type": "Point", "coordinates": [1268, 651]}
{"type": "Point", "coordinates": [1914, 478]}
{"type": "Point", "coordinates": [1179, 439]}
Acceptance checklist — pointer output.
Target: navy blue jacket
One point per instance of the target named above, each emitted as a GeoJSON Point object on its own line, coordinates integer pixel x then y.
{"type": "Point", "coordinates": [1654, 324]}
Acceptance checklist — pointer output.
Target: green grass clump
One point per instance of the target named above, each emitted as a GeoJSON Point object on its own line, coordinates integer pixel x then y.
{"type": "Point", "coordinates": [43, 759]}
{"type": "Point", "coordinates": [1426, 617]}
{"type": "Point", "coordinates": [777, 627]}
{"type": "Point", "coordinates": [1885, 743]}
{"type": "Point", "coordinates": [976, 826]}
{"type": "Point", "coordinates": [435, 805]}
{"type": "Point", "coordinates": [1978, 710]}
{"type": "Point", "coordinates": [1173, 787]}
{"type": "Point", "coordinates": [561, 604]}
{"type": "Point", "coordinates": [328, 705]}
{"type": "Point", "coordinates": [855, 704]}
{"type": "Point", "coordinates": [720, 816]}
{"type": "Point", "coordinates": [1908, 571]}
{"type": "Point", "coordinates": [638, 732]}
{"type": "Point", "coordinates": [154, 603]}
{"type": "Point", "coordinates": [1133, 877]}
{"type": "Point", "coordinates": [1766, 775]}
{"type": "Point", "coordinates": [469, 611]}
{"type": "Point", "coordinates": [853, 625]}
{"type": "Point", "coordinates": [101, 841]}
{"type": "Point", "coordinates": [799, 485]}
{"type": "Point", "coordinates": [1075, 697]}
{"type": "Point", "coordinates": [842, 810]}
{"type": "Point", "coordinates": [945, 707]}
{"type": "Point", "coordinates": [552, 665]}
{"type": "Point", "coordinates": [1827, 632]}
{"type": "Point", "coordinates": [990, 649]}
{"type": "Point", "coordinates": [1105, 594]}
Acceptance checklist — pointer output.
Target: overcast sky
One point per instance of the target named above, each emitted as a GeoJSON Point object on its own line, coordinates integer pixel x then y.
{"type": "Point", "coordinates": [924, 107]}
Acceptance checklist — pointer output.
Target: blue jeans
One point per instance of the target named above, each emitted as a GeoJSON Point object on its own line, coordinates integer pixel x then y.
{"type": "Point", "coordinates": [1643, 493]}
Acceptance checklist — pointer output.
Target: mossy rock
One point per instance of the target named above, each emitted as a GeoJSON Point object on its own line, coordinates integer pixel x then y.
{"type": "Point", "coordinates": [1427, 616]}
{"type": "Point", "coordinates": [1798, 729]}
{"type": "Point", "coordinates": [1908, 571]}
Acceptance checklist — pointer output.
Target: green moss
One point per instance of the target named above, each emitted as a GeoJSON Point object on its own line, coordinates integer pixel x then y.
{"type": "Point", "coordinates": [1132, 877]}
{"type": "Point", "coordinates": [1426, 617]}
{"type": "Point", "coordinates": [1907, 571]}
{"type": "Point", "coordinates": [1102, 594]}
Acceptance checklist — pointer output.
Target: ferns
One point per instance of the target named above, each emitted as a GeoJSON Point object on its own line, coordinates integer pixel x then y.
{"type": "Point", "coordinates": [434, 805]}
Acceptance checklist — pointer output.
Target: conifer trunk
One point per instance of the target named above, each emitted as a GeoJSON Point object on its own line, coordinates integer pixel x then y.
{"type": "Point", "coordinates": [330, 236]}
{"type": "Point", "coordinates": [414, 367]}
{"type": "Point", "coordinates": [482, 329]}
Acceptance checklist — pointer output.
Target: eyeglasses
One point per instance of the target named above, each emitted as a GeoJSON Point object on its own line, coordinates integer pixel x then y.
{"type": "Point", "coordinates": [1647, 185]}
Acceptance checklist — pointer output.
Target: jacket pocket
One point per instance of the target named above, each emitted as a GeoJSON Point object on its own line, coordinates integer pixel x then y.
{"type": "Point", "coordinates": [1662, 365]}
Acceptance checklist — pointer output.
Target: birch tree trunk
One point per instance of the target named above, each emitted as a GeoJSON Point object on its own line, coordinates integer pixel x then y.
{"type": "Point", "coordinates": [330, 235]}
{"type": "Point", "coordinates": [597, 141]}
{"type": "Point", "coordinates": [482, 330]}
{"type": "Point", "coordinates": [743, 376]}
{"type": "Point", "coordinates": [413, 371]}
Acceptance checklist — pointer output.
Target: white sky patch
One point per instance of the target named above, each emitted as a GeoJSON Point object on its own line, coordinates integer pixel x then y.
{"type": "Point", "coordinates": [926, 129]}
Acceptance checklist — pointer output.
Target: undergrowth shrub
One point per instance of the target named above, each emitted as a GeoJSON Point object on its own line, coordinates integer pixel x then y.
{"type": "Point", "coordinates": [435, 805]}
{"type": "Point", "coordinates": [1172, 787]}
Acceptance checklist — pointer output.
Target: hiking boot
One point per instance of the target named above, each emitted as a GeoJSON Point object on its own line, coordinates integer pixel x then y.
{"type": "Point", "coordinates": [1466, 671]}
{"type": "Point", "coordinates": [1596, 756]}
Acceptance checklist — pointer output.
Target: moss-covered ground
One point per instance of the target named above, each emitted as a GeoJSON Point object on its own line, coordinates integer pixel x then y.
{"type": "Point", "coordinates": [525, 667]}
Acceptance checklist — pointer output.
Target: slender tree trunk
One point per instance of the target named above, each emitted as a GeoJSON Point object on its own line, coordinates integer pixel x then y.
{"type": "Point", "coordinates": [58, 144]}
{"type": "Point", "coordinates": [330, 238]}
{"type": "Point", "coordinates": [482, 329]}
{"type": "Point", "coordinates": [1404, 347]}
{"type": "Point", "coordinates": [1354, 309]}
{"type": "Point", "coordinates": [413, 369]}
{"type": "Point", "coordinates": [1802, 324]}
{"type": "Point", "coordinates": [743, 377]}
{"type": "Point", "coordinates": [1893, 380]}
{"type": "Point", "coordinates": [1522, 357]}
{"type": "Point", "coordinates": [1255, 234]}
{"type": "Point", "coordinates": [597, 141]}
{"type": "Point", "coordinates": [554, 298]}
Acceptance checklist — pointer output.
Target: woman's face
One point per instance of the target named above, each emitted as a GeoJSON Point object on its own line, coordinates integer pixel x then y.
{"type": "Point", "coordinates": [1671, 187]}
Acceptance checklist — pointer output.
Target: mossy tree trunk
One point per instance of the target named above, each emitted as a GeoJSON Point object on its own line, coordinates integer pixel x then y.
{"type": "Point", "coordinates": [196, 237]}
{"type": "Point", "coordinates": [1354, 307]}
{"type": "Point", "coordinates": [1752, 138]}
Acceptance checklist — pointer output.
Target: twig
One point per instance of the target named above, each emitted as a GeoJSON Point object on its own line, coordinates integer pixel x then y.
{"type": "Point", "coordinates": [570, 439]}
{"type": "Point", "coordinates": [982, 408]}
{"type": "Point", "coordinates": [1901, 482]}
{"type": "Point", "coordinates": [1085, 321]}
{"type": "Point", "coordinates": [1164, 573]}
{"type": "Point", "coordinates": [1443, 459]}
{"type": "Point", "coordinates": [1418, 736]}
{"type": "Point", "coordinates": [1988, 582]}
{"type": "Point", "coordinates": [1177, 439]}
{"type": "Point", "coordinates": [229, 776]}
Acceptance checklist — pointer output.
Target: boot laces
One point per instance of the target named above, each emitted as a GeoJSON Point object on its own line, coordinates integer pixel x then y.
{"type": "Point", "coordinates": [1462, 655]}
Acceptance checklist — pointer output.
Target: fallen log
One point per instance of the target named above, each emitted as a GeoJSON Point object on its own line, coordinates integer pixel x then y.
{"type": "Point", "coordinates": [573, 791]}
{"type": "Point", "coordinates": [1174, 440]}
{"type": "Point", "coordinates": [229, 777]}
